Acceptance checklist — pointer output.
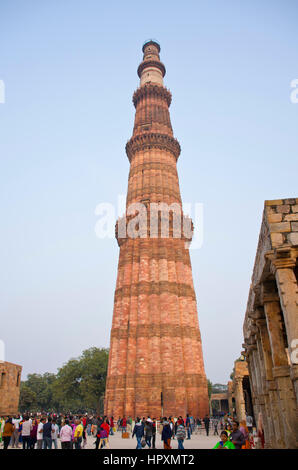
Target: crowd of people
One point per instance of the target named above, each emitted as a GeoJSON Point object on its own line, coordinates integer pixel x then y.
{"type": "Point", "coordinates": [43, 431]}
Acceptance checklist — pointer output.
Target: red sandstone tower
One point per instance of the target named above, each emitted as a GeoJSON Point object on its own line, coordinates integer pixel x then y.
{"type": "Point", "coordinates": [156, 362]}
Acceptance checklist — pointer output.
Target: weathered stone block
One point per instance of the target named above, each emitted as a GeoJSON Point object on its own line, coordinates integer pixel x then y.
{"type": "Point", "coordinates": [273, 218]}
{"type": "Point", "coordinates": [291, 217]}
{"type": "Point", "coordinates": [284, 209]}
{"type": "Point", "coordinates": [280, 227]}
{"type": "Point", "coordinates": [276, 239]}
{"type": "Point", "coordinates": [274, 202]}
{"type": "Point", "coordinates": [293, 238]}
{"type": "Point", "coordinates": [290, 200]}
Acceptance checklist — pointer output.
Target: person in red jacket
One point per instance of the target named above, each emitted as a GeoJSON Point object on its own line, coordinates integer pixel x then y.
{"type": "Point", "coordinates": [103, 434]}
{"type": "Point", "coordinates": [111, 426]}
{"type": "Point", "coordinates": [124, 424]}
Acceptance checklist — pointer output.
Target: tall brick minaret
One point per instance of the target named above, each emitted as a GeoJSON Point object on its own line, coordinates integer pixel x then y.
{"type": "Point", "coordinates": [156, 363]}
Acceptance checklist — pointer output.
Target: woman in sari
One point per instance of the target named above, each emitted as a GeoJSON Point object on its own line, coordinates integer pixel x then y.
{"type": "Point", "coordinates": [243, 428]}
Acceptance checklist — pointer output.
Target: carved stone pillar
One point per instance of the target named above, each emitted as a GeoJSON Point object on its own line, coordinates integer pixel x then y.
{"type": "Point", "coordinates": [230, 396]}
{"type": "Point", "coordinates": [288, 294]}
{"type": "Point", "coordinates": [239, 398]}
{"type": "Point", "coordinates": [281, 373]}
{"type": "Point", "coordinates": [263, 400]}
{"type": "Point", "coordinates": [276, 429]}
{"type": "Point", "coordinates": [253, 385]}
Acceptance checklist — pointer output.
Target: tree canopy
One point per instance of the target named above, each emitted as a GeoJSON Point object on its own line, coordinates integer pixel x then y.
{"type": "Point", "coordinates": [78, 386]}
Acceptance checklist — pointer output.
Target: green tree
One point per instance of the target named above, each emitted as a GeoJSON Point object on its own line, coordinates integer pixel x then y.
{"type": "Point", "coordinates": [27, 398]}
{"type": "Point", "coordinates": [80, 383]}
{"type": "Point", "coordinates": [94, 364]}
{"type": "Point", "coordinates": [78, 386]}
{"type": "Point", "coordinates": [41, 385]}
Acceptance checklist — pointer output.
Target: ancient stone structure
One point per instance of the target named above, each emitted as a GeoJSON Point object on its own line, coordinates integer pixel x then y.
{"type": "Point", "coordinates": [222, 403]}
{"type": "Point", "coordinates": [10, 380]}
{"type": "Point", "coordinates": [271, 326]}
{"type": "Point", "coordinates": [156, 362]}
{"type": "Point", "coordinates": [239, 392]}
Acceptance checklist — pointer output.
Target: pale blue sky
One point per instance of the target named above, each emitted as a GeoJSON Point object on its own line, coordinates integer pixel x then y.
{"type": "Point", "coordinates": [70, 71]}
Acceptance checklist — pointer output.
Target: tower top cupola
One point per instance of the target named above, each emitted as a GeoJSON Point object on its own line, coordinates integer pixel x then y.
{"type": "Point", "coordinates": [151, 70]}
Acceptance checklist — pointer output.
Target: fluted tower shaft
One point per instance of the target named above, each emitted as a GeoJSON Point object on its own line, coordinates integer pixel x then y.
{"type": "Point", "coordinates": [156, 361]}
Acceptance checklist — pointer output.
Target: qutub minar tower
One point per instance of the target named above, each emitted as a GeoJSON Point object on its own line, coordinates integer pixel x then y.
{"type": "Point", "coordinates": [156, 362]}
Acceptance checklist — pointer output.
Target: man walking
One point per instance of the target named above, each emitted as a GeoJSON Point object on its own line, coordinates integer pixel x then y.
{"type": "Point", "coordinates": [15, 436]}
{"type": "Point", "coordinates": [39, 435]}
{"type": "Point", "coordinates": [78, 434]}
{"type": "Point", "coordinates": [138, 432]}
{"type": "Point", "coordinates": [55, 434]}
{"type": "Point", "coordinates": [65, 435]}
{"type": "Point", "coordinates": [215, 424]}
{"type": "Point", "coordinates": [187, 424]}
{"type": "Point", "coordinates": [236, 436]}
{"type": "Point", "coordinates": [207, 423]}
{"type": "Point", "coordinates": [148, 432]}
{"type": "Point", "coordinates": [47, 434]}
{"type": "Point", "coordinates": [26, 430]}
{"type": "Point", "coordinates": [180, 434]}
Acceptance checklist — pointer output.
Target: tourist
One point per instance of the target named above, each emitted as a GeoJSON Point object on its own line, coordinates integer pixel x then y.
{"type": "Point", "coordinates": [89, 425]}
{"type": "Point", "coordinates": [207, 423]}
{"type": "Point", "coordinates": [224, 443]}
{"type": "Point", "coordinates": [15, 437]}
{"type": "Point", "coordinates": [20, 431]}
{"type": "Point", "coordinates": [78, 434]}
{"type": "Point", "coordinates": [172, 426]}
{"type": "Point", "coordinates": [59, 422]}
{"type": "Point", "coordinates": [153, 433]}
{"type": "Point", "coordinates": [84, 436]}
{"type": "Point", "coordinates": [138, 431]}
{"type": "Point", "coordinates": [47, 434]}
{"type": "Point", "coordinates": [236, 436]}
{"type": "Point", "coordinates": [228, 429]}
{"type": "Point", "coordinates": [180, 433]}
{"type": "Point", "coordinates": [187, 424]}
{"type": "Point", "coordinates": [166, 434]}
{"type": "Point", "coordinates": [124, 424]}
{"type": "Point", "coordinates": [249, 423]}
{"type": "Point", "coordinates": [215, 424]}
{"type": "Point", "coordinates": [112, 426]}
{"type": "Point", "coordinates": [148, 432]}
{"type": "Point", "coordinates": [176, 425]}
{"type": "Point", "coordinates": [243, 428]}
{"type": "Point", "coordinates": [261, 430]}
{"type": "Point", "coordinates": [55, 434]}
{"type": "Point", "coordinates": [104, 434]}
{"type": "Point", "coordinates": [33, 434]}
{"type": "Point", "coordinates": [66, 435]}
{"type": "Point", "coordinates": [73, 426]}
{"type": "Point", "coordinates": [119, 424]}
{"type": "Point", "coordinates": [40, 433]}
{"type": "Point", "coordinates": [7, 432]}
{"type": "Point", "coordinates": [26, 431]}
{"type": "Point", "coordinates": [2, 424]}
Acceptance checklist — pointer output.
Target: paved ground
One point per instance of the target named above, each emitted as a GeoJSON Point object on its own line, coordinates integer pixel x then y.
{"type": "Point", "coordinates": [197, 441]}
